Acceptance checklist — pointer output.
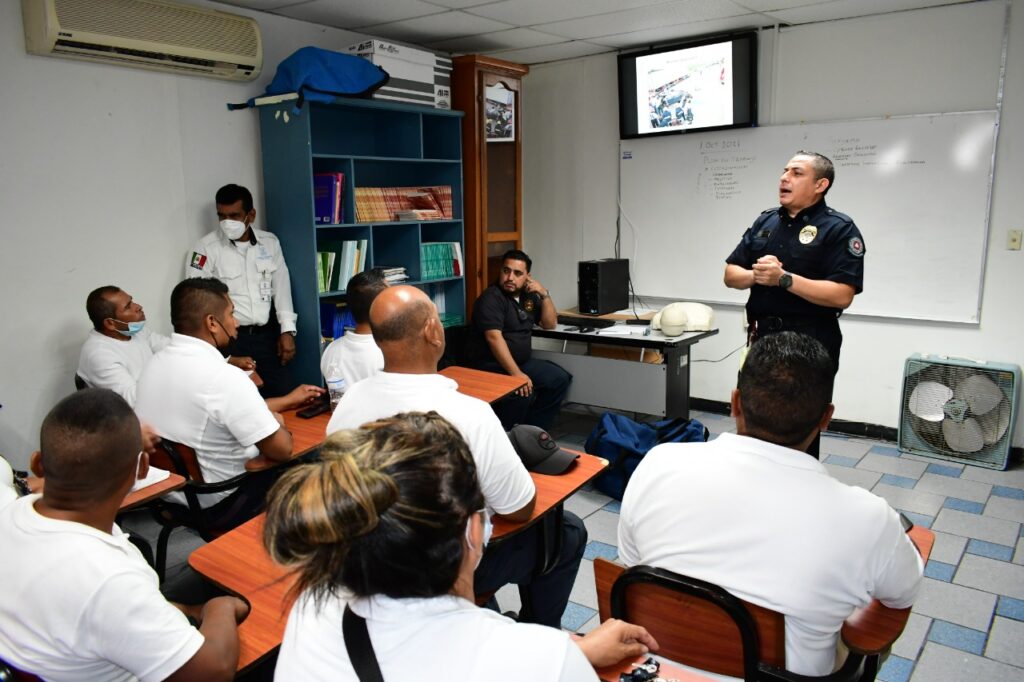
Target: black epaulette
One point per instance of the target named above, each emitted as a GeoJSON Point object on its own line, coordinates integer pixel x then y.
{"type": "Point", "coordinates": [774, 209]}
{"type": "Point", "coordinates": [842, 216]}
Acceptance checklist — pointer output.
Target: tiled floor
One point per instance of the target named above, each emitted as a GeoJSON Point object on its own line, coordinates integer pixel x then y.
{"type": "Point", "coordinates": [968, 623]}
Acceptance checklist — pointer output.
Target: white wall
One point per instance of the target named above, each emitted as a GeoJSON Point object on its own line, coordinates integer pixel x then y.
{"type": "Point", "coordinates": [926, 61]}
{"type": "Point", "coordinates": [107, 175]}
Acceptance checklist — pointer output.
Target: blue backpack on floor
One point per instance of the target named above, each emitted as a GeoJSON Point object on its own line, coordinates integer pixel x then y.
{"type": "Point", "coordinates": [624, 442]}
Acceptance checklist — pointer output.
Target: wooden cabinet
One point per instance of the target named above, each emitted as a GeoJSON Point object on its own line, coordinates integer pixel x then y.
{"type": "Point", "coordinates": [374, 144]}
{"type": "Point", "coordinates": [488, 91]}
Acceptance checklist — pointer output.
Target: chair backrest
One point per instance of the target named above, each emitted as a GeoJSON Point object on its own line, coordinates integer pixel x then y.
{"type": "Point", "coordinates": [181, 459]}
{"type": "Point", "coordinates": [696, 623]}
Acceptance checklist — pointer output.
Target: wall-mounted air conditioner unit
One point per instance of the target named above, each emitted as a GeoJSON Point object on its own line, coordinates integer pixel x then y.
{"type": "Point", "coordinates": [150, 34]}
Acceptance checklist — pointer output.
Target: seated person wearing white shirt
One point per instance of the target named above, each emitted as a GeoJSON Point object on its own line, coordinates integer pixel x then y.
{"type": "Point", "coordinates": [388, 528]}
{"type": "Point", "coordinates": [355, 356]}
{"type": "Point", "coordinates": [119, 345]}
{"type": "Point", "coordinates": [80, 602]}
{"type": "Point", "coordinates": [408, 330]}
{"type": "Point", "coordinates": [758, 516]}
{"type": "Point", "coordinates": [188, 394]}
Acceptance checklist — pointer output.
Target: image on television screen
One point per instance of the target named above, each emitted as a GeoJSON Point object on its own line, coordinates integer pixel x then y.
{"type": "Point", "coordinates": [685, 89]}
{"type": "Point", "coordinates": [708, 83]}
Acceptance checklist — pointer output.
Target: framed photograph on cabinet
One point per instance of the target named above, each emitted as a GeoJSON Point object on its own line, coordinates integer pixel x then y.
{"type": "Point", "coordinates": [500, 113]}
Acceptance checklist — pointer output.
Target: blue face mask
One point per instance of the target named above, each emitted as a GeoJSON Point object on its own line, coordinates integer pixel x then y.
{"type": "Point", "coordinates": [133, 327]}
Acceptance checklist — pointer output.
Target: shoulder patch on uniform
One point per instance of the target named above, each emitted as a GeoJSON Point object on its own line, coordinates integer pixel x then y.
{"type": "Point", "coordinates": [198, 260]}
{"type": "Point", "coordinates": [855, 246]}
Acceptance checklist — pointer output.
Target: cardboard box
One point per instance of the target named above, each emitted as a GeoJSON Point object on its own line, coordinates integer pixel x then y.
{"type": "Point", "coordinates": [417, 76]}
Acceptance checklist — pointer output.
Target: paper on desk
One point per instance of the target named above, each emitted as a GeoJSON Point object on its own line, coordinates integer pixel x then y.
{"type": "Point", "coordinates": [154, 476]}
{"type": "Point", "coordinates": [615, 330]}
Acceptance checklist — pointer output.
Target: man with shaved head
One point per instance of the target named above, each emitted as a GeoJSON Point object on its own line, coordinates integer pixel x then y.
{"type": "Point", "coordinates": [191, 396]}
{"type": "Point", "coordinates": [80, 601]}
{"type": "Point", "coordinates": [407, 328]}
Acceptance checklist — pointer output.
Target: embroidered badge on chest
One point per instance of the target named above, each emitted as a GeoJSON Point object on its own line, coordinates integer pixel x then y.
{"type": "Point", "coordinates": [529, 305]}
{"type": "Point", "coordinates": [856, 246]}
{"type": "Point", "coordinates": [808, 234]}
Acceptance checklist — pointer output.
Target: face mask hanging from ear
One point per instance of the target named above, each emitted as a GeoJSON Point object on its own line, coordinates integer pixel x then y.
{"type": "Point", "coordinates": [227, 350]}
{"type": "Point", "coordinates": [232, 229]}
{"type": "Point", "coordinates": [487, 531]}
{"type": "Point", "coordinates": [133, 327]}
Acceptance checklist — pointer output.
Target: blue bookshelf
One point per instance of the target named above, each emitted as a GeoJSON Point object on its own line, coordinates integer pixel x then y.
{"type": "Point", "coordinates": [374, 144]}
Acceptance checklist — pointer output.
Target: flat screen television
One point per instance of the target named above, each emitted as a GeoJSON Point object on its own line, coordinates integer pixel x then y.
{"type": "Point", "coordinates": [703, 84]}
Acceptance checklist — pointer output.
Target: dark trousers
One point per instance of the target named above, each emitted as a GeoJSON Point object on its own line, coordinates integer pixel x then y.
{"type": "Point", "coordinates": [826, 331]}
{"type": "Point", "coordinates": [519, 559]}
{"type": "Point", "coordinates": [550, 384]}
{"type": "Point", "coordinates": [260, 344]}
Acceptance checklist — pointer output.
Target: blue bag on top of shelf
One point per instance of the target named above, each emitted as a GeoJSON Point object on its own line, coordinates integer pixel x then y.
{"type": "Point", "coordinates": [320, 75]}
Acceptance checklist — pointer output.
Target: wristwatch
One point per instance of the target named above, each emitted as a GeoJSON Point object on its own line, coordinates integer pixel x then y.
{"type": "Point", "coordinates": [545, 295]}
{"type": "Point", "coordinates": [785, 280]}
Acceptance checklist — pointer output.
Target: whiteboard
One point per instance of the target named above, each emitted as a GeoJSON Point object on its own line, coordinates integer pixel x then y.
{"type": "Point", "coordinates": [918, 187]}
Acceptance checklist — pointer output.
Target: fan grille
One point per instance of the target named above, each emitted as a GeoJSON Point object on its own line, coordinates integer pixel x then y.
{"type": "Point", "coordinates": [984, 432]}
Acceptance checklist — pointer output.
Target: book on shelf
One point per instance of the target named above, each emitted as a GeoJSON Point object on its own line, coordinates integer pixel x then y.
{"type": "Point", "coordinates": [393, 274]}
{"type": "Point", "coordinates": [441, 260]}
{"type": "Point", "coordinates": [328, 190]}
{"type": "Point", "coordinates": [384, 204]}
{"type": "Point", "coordinates": [418, 214]}
{"type": "Point", "coordinates": [325, 270]}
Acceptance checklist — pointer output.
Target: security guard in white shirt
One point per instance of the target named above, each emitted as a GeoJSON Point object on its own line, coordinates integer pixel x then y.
{"type": "Point", "coordinates": [252, 265]}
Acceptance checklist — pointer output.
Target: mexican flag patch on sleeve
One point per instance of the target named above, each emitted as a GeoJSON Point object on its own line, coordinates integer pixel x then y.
{"type": "Point", "coordinates": [198, 260]}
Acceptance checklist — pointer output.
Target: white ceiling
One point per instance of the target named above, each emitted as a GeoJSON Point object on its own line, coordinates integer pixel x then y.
{"type": "Point", "coordinates": [534, 31]}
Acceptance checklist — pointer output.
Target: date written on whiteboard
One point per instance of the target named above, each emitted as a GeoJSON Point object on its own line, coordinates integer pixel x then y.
{"type": "Point", "coordinates": [719, 145]}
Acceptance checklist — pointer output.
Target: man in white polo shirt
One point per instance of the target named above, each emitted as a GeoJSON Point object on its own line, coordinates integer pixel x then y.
{"type": "Point", "coordinates": [355, 356]}
{"type": "Point", "coordinates": [80, 602]}
{"type": "Point", "coordinates": [757, 515]}
{"type": "Point", "coordinates": [191, 396]}
{"type": "Point", "coordinates": [408, 330]}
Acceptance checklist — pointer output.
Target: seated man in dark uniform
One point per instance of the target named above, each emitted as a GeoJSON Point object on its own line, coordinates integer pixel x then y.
{"type": "Point", "coordinates": [503, 319]}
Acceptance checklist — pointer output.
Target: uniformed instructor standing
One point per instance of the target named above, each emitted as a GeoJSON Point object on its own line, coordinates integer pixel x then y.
{"type": "Point", "coordinates": [803, 261]}
{"type": "Point", "coordinates": [251, 264]}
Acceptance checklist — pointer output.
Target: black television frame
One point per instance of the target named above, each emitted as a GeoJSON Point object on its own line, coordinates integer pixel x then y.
{"type": "Point", "coordinates": [744, 94]}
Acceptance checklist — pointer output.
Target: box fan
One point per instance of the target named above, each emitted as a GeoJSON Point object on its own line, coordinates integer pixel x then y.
{"type": "Point", "coordinates": [957, 409]}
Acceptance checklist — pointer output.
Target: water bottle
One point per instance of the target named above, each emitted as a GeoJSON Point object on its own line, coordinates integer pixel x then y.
{"type": "Point", "coordinates": [335, 386]}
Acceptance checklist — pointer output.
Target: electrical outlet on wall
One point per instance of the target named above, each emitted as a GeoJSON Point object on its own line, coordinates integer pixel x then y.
{"type": "Point", "coordinates": [1013, 239]}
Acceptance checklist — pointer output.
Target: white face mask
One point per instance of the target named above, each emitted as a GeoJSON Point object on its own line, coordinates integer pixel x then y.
{"type": "Point", "coordinates": [232, 229]}
{"type": "Point", "coordinates": [487, 531]}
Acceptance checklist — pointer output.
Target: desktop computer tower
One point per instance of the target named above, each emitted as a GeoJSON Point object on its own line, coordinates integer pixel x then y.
{"type": "Point", "coordinates": [603, 285]}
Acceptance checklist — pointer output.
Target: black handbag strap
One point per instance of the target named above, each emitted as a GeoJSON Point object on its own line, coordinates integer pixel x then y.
{"type": "Point", "coordinates": [360, 649]}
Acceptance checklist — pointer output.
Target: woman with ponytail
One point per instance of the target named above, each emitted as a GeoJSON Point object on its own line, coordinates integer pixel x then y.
{"type": "Point", "coordinates": [383, 536]}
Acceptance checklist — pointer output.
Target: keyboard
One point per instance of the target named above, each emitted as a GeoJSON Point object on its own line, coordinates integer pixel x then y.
{"type": "Point", "coordinates": [595, 322]}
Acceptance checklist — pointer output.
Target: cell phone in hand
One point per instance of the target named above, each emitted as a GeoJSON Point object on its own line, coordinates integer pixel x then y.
{"type": "Point", "coordinates": [322, 404]}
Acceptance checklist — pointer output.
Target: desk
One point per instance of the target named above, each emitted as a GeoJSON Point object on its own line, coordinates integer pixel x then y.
{"type": "Point", "coordinates": [238, 563]}
{"type": "Point", "coordinates": [309, 434]}
{"type": "Point", "coordinates": [872, 629]}
{"type": "Point", "coordinates": [134, 498]}
{"type": "Point", "coordinates": [662, 389]}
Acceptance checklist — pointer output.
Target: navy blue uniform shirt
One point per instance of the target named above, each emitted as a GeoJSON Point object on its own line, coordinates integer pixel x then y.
{"type": "Point", "coordinates": [495, 309]}
{"type": "Point", "coordinates": [818, 243]}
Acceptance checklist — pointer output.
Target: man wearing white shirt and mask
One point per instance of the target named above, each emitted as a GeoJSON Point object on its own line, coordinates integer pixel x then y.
{"type": "Point", "coordinates": [251, 263]}
{"type": "Point", "coordinates": [119, 345]}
